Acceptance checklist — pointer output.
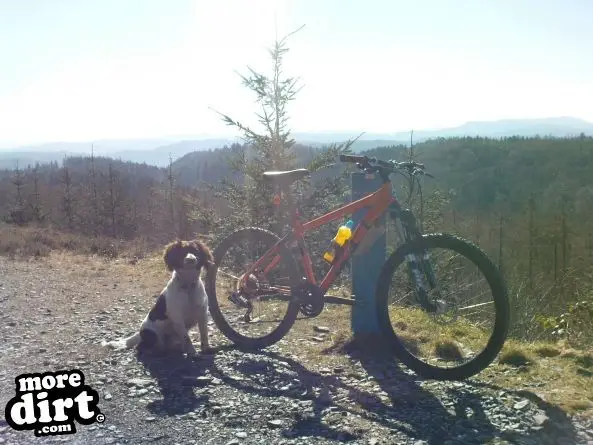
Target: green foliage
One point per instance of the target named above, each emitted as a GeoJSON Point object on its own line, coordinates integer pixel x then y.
{"type": "Point", "coordinates": [487, 172]}
{"type": "Point", "coordinates": [574, 324]}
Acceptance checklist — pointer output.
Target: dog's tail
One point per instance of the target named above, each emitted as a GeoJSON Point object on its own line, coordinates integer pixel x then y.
{"type": "Point", "coordinates": [123, 343]}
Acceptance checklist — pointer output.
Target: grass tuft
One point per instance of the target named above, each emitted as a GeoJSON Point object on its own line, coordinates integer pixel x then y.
{"type": "Point", "coordinates": [515, 355]}
{"type": "Point", "coordinates": [448, 350]}
{"type": "Point", "coordinates": [547, 350]}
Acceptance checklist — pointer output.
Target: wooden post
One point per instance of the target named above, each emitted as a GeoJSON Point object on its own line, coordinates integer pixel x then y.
{"type": "Point", "coordinates": [366, 266]}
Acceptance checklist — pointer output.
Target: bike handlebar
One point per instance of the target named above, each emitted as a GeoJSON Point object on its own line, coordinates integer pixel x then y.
{"type": "Point", "coordinates": [353, 159]}
{"type": "Point", "coordinates": [364, 162]}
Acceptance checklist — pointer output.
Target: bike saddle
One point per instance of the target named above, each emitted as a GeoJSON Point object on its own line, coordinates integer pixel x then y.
{"type": "Point", "coordinates": [285, 178]}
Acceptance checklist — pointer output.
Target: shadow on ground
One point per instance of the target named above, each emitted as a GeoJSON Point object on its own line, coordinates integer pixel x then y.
{"type": "Point", "coordinates": [469, 423]}
{"type": "Point", "coordinates": [177, 378]}
{"type": "Point", "coordinates": [405, 407]}
{"type": "Point", "coordinates": [409, 409]}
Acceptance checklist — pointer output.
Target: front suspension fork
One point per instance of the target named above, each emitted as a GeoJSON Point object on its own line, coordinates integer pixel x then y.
{"type": "Point", "coordinates": [419, 266]}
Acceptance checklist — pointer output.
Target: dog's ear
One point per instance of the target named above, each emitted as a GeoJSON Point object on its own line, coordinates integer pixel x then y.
{"type": "Point", "coordinates": [174, 254]}
{"type": "Point", "coordinates": [203, 253]}
{"type": "Point", "coordinates": [208, 257]}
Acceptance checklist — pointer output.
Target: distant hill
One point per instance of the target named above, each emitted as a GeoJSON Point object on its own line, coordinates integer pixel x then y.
{"type": "Point", "coordinates": [157, 151]}
{"type": "Point", "coordinates": [556, 127]}
{"type": "Point", "coordinates": [159, 156]}
{"type": "Point", "coordinates": [153, 152]}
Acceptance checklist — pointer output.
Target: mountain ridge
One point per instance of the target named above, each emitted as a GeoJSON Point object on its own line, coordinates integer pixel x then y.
{"type": "Point", "coordinates": [158, 150]}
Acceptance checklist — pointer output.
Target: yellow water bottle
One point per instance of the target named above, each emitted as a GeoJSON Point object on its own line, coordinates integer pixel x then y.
{"type": "Point", "coordinates": [343, 235]}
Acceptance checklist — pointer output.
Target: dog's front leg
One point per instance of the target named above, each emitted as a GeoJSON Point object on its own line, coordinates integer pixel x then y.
{"type": "Point", "coordinates": [202, 319]}
{"type": "Point", "coordinates": [176, 319]}
{"type": "Point", "coordinates": [181, 332]}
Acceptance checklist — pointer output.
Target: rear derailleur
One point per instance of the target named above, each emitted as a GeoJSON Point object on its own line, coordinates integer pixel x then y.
{"type": "Point", "coordinates": [248, 291]}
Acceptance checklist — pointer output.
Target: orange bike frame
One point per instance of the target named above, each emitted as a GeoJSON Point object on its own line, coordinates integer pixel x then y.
{"type": "Point", "coordinates": [377, 203]}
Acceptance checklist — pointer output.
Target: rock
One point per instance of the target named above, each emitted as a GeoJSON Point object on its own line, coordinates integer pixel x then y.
{"type": "Point", "coordinates": [322, 329]}
{"type": "Point", "coordinates": [540, 419]}
{"type": "Point", "coordinates": [241, 434]}
{"type": "Point", "coordinates": [275, 423]}
{"type": "Point", "coordinates": [318, 339]}
{"type": "Point", "coordinates": [139, 382]}
{"type": "Point", "coordinates": [521, 404]}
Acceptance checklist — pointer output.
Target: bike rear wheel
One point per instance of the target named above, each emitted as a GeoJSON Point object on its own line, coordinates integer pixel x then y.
{"type": "Point", "coordinates": [238, 301]}
{"type": "Point", "coordinates": [419, 325]}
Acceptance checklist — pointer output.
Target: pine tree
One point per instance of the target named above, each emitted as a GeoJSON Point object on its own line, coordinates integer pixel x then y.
{"type": "Point", "coordinates": [270, 149]}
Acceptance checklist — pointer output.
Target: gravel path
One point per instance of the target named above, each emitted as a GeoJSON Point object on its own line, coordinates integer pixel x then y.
{"type": "Point", "coordinates": [52, 319]}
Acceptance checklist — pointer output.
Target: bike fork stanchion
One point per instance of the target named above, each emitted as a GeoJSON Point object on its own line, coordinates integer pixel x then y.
{"type": "Point", "coordinates": [366, 264]}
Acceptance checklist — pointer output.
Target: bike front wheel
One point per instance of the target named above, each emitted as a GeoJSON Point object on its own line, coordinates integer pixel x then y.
{"type": "Point", "coordinates": [443, 306]}
{"type": "Point", "coordinates": [253, 309]}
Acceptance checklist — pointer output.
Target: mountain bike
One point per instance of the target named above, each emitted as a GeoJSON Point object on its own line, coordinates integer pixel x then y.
{"type": "Point", "coordinates": [416, 314]}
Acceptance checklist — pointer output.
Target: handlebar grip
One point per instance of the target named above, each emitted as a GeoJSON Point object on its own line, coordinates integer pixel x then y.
{"type": "Point", "coordinates": [352, 158]}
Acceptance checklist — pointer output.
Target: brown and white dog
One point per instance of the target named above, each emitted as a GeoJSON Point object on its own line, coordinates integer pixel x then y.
{"type": "Point", "coordinates": [182, 304]}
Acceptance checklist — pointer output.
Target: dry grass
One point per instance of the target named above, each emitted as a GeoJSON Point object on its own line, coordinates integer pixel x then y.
{"type": "Point", "coordinates": [546, 350]}
{"type": "Point", "coordinates": [39, 242]}
{"type": "Point", "coordinates": [547, 369]}
{"type": "Point", "coordinates": [515, 354]}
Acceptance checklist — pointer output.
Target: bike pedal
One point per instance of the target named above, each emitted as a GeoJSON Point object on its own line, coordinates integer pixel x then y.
{"type": "Point", "coordinates": [237, 300]}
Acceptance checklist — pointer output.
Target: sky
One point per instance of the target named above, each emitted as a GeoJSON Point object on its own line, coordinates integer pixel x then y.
{"type": "Point", "coordinates": [83, 70]}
